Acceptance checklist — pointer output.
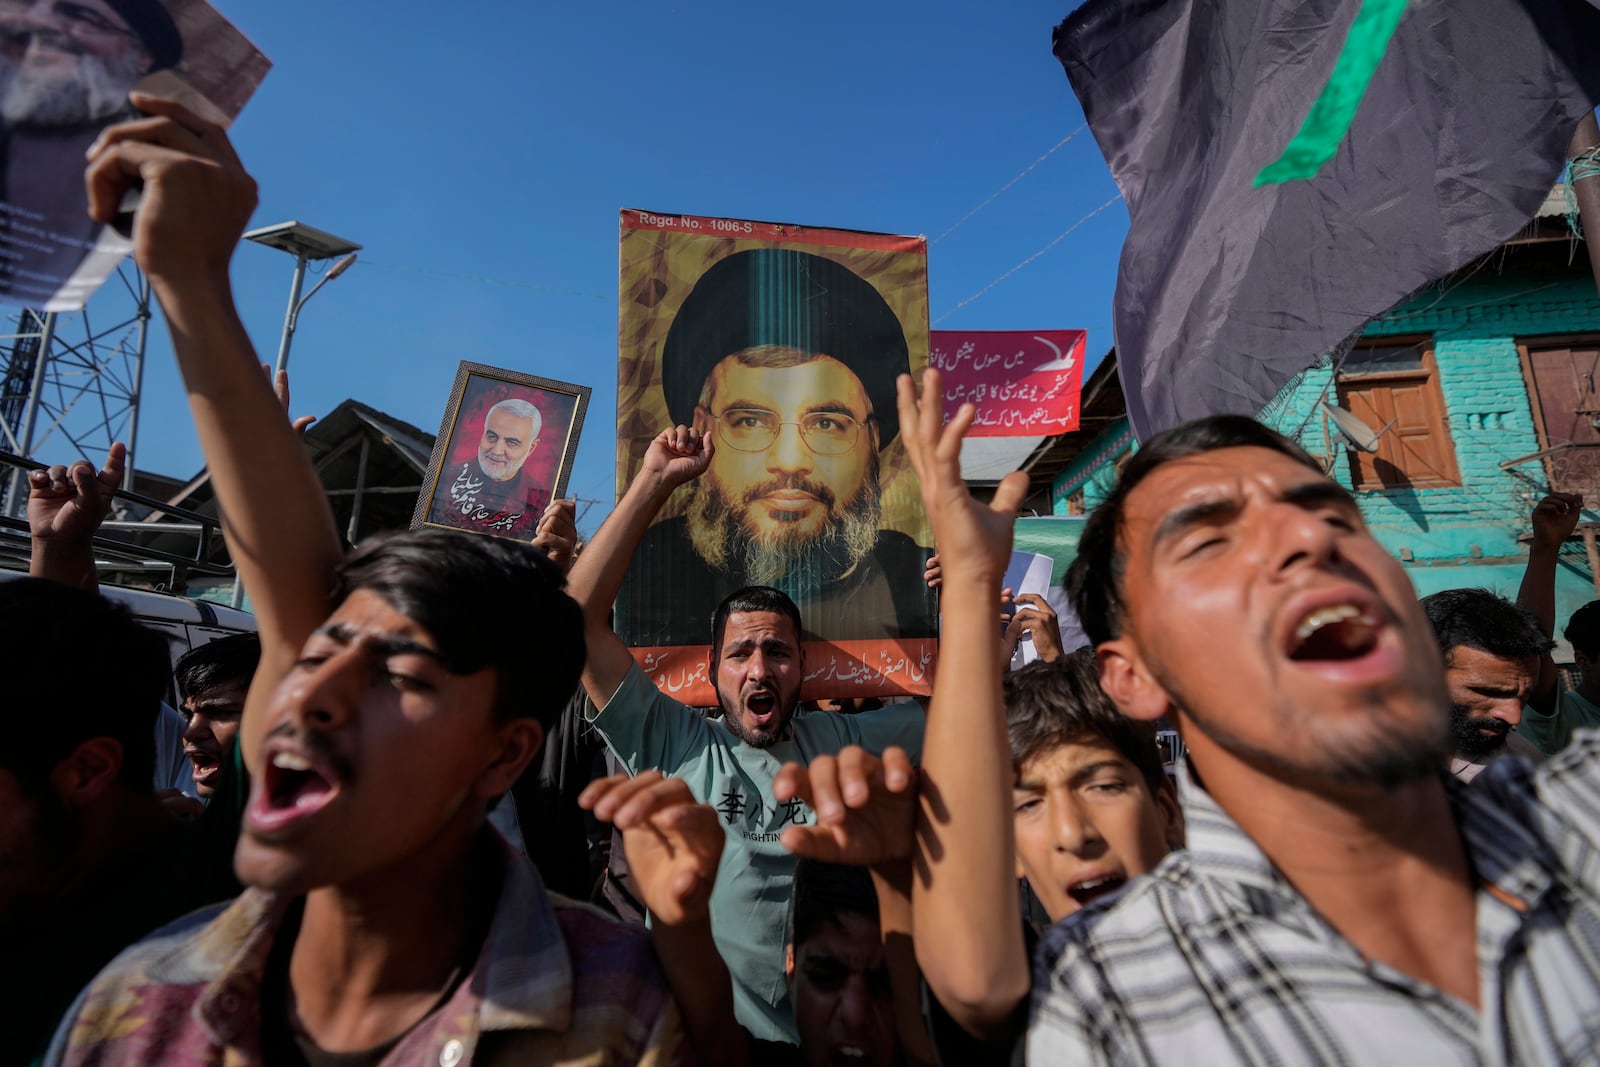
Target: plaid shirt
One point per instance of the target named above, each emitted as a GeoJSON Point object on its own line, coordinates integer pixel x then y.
{"type": "Point", "coordinates": [555, 983]}
{"type": "Point", "coordinates": [1216, 959]}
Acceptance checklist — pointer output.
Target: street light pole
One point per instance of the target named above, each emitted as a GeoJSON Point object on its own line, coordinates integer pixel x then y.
{"type": "Point", "coordinates": [291, 314]}
{"type": "Point", "coordinates": [305, 243]}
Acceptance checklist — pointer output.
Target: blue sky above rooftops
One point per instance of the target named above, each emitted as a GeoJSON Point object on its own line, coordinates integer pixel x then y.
{"type": "Point", "coordinates": [481, 152]}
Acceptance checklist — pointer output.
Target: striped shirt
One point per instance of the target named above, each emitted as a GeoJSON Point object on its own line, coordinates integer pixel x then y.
{"type": "Point", "coordinates": [554, 983]}
{"type": "Point", "coordinates": [1216, 959]}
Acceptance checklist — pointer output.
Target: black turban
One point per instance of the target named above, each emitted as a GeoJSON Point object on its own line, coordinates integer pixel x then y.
{"type": "Point", "coordinates": [778, 296]}
{"type": "Point", "coordinates": [151, 20]}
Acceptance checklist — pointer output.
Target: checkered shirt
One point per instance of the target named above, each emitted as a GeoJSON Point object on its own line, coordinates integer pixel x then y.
{"type": "Point", "coordinates": [1216, 959]}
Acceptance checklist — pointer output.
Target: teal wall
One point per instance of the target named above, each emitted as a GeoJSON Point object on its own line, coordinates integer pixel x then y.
{"type": "Point", "coordinates": [1095, 469]}
{"type": "Point", "coordinates": [1467, 535]}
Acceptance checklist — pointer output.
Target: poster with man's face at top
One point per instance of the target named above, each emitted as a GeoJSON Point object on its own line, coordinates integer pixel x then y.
{"type": "Point", "coordinates": [504, 452]}
{"type": "Point", "coordinates": [66, 68]}
{"type": "Point", "coordinates": [783, 343]}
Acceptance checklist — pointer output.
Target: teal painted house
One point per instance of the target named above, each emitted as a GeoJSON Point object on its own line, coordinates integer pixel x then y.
{"type": "Point", "coordinates": [1481, 393]}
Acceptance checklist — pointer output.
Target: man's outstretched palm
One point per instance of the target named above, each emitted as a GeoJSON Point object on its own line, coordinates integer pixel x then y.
{"type": "Point", "coordinates": [866, 807]}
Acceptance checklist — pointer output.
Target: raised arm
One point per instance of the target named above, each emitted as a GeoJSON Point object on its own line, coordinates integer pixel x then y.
{"type": "Point", "coordinates": [197, 199]}
{"type": "Point", "coordinates": [866, 817]}
{"type": "Point", "coordinates": [1554, 519]}
{"type": "Point", "coordinates": [673, 846]}
{"type": "Point", "coordinates": [966, 918]}
{"type": "Point", "coordinates": [66, 506]}
{"type": "Point", "coordinates": [676, 456]}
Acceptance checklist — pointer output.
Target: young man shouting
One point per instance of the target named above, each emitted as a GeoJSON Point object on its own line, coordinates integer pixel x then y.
{"type": "Point", "coordinates": [383, 919]}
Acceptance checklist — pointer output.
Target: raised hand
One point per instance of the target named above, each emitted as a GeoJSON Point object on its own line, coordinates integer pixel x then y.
{"type": "Point", "coordinates": [557, 533]}
{"type": "Point", "coordinates": [197, 196]}
{"type": "Point", "coordinates": [673, 843]}
{"type": "Point", "coordinates": [1554, 519]}
{"type": "Point", "coordinates": [678, 455]}
{"type": "Point", "coordinates": [866, 807]}
{"type": "Point", "coordinates": [974, 538]}
{"type": "Point", "coordinates": [280, 386]}
{"type": "Point", "coordinates": [1035, 617]}
{"type": "Point", "coordinates": [933, 573]}
{"type": "Point", "coordinates": [68, 504]}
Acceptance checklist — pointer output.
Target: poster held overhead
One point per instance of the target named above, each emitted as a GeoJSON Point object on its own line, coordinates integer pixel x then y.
{"type": "Point", "coordinates": [505, 450]}
{"type": "Point", "coordinates": [65, 73]}
{"type": "Point", "coordinates": [783, 343]}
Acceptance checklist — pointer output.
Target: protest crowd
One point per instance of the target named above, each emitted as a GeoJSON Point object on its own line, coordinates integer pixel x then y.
{"type": "Point", "coordinates": [442, 814]}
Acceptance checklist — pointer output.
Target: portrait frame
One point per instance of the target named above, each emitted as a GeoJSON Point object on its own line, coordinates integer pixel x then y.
{"type": "Point", "coordinates": [477, 389]}
{"type": "Point", "coordinates": [693, 292]}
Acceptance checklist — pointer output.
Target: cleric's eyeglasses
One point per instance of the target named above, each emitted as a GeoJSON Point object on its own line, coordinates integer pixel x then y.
{"type": "Point", "coordinates": [827, 433]}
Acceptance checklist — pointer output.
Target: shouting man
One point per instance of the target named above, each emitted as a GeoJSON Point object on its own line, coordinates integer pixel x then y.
{"type": "Point", "coordinates": [757, 664]}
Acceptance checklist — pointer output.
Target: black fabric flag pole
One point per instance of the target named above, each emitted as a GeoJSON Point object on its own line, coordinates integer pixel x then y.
{"type": "Point", "coordinates": [1293, 168]}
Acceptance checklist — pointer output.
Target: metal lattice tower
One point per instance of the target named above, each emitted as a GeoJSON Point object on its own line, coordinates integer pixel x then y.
{"type": "Point", "coordinates": [70, 381]}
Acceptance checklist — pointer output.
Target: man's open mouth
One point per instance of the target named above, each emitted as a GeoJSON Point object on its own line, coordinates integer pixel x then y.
{"type": "Point", "coordinates": [1333, 632]}
{"type": "Point", "coordinates": [1094, 888]}
{"type": "Point", "coordinates": [293, 788]}
{"type": "Point", "coordinates": [762, 705]}
{"type": "Point", "coordinates": [850, 1054]}
{"type": "Point", "coordinates": [203, 762]}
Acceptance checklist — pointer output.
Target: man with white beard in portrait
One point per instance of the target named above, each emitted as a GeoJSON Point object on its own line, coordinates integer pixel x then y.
{"type": "Point", "coordinates": [66, 67]}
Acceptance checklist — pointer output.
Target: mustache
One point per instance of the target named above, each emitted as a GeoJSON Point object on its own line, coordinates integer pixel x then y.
{"type": "Point", "coordinates": [790, 483]}
{"type": "Point", "coordinates": [318, 747]}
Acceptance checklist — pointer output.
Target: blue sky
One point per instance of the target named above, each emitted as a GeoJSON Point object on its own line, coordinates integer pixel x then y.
{"type": "Point", "coordinates": [481, 152]}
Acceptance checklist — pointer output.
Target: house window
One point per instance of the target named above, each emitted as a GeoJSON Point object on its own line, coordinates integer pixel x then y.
{"type": "Point", "coordinates": [1393, 386]}
{"type": "Point", "coordinates": [1561, 375]}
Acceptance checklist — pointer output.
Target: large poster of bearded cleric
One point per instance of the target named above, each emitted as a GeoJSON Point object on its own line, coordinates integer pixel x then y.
{"type": "Point", "coordinates": [783, 343]}
{"type": "Point", "coordinates": [66, 68]}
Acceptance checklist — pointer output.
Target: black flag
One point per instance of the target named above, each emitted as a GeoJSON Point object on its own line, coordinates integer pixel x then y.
{"type": "Point", "coordinates": [1228, 288]}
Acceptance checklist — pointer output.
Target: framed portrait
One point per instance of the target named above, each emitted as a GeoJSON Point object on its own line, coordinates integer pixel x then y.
{"type": "Point", "coordinates": [783, 342]}
{"type": "Point", "coordinates": [504, 451]}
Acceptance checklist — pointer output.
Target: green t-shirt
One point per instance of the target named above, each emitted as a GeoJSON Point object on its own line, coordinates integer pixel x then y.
{"type": "Point", "coordinates": [750, 902]}
{"type": "Point", "coordinates": [1551, 733]}
{"type": "Point", "coordinates": [188, 867]}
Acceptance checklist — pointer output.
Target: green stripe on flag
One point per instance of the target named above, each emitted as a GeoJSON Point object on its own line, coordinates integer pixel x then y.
{"type": "Point", "coordinates": [1335, 108]}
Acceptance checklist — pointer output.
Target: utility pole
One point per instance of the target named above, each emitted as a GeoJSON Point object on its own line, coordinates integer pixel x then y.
{"type": "Point", "coordinates": [1584, 151]}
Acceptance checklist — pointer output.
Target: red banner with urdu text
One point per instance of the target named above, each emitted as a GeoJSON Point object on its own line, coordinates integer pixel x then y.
{"type": "Point", "coordinates": [1024, 383]}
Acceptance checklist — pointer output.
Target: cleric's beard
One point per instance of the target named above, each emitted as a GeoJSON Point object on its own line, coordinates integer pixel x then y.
{"type": "Point", "coordinates": [799, 566]}
{"type": "Point", "coordinates": [96, 91]}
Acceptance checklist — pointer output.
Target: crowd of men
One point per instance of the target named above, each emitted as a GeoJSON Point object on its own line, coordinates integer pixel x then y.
{"type": "Point", "coordinates": [1382, 844]}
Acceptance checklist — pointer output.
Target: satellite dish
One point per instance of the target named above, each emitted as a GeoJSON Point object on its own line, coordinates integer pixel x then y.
{"type": "Point", "coordinates": [1357, 434]}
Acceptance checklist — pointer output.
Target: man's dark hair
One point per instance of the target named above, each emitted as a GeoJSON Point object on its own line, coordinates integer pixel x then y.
{"type": "Point", "coordinates": [81, 667]}
{"type": "Point", "coordinates": [1094, 582]}
{"type": "Point", "coordinates": [1583, 630]}
{"type": "Point", "coordinates": [216, 663]}
{"type": "Point", "coordinates": [762, 598]}
{"type": "Point", "coordinates": [1477, 618]}
{"type": "Point", "coordinates": [1061, 703]}
{"type": "Point", "coordinates": [487, 603]}
{"type": "Point", "coordinates": [823, 892]}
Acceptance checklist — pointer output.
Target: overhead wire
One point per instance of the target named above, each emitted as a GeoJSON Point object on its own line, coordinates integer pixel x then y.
{"type": "Point", "coordinates": [1004, 188]}
{"type": "Point", "coordinates": [1062, 236]}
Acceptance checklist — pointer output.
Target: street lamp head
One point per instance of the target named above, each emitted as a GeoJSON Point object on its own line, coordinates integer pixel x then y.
{"type": "Point", "coordinates": [302, 241]}
{"type": "Point", "coordinates": [340, 267]}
